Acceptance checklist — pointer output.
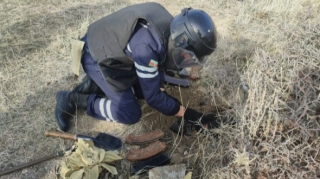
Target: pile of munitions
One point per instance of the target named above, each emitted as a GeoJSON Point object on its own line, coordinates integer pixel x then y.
{"type": "Point", "coordinates": [143, 159]}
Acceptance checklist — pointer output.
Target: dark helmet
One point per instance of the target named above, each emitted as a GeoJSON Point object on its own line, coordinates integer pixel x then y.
{"type": "Point", "coordinates": [193, 36]}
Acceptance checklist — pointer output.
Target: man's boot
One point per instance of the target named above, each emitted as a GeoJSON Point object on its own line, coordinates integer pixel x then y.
{"type": "Point", "coordinates": [88, 86]}
{"type": "Point", "coordinates": [67, 104]}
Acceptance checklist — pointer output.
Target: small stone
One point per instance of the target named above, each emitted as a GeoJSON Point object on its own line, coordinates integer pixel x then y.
{"type": "Point", "coordinates": [181, 149]}
{"type": "Point", "coordinates": [24, 171]}
{"type": "Point", "coordinates": [176, 158]}
{"type": "Point", "coordinates": [168, 172]}
{"type": "Point", "coordinates": [203, 103]}
{"type": "Point", "coordinates": [20, 152]}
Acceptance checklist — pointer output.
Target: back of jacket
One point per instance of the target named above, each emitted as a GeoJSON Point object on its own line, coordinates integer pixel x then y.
{"type": "Point", "coordinates": [109, 36]}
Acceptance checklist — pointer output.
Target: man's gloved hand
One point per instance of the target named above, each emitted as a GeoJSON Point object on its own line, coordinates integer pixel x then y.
{"type": "Point", "coordinates": [185, 129]}
{"type": "Point", "coordinates": [209, 121]}
{"type": "Point", "coordinates": [193, 118]}
{"type": "Point", "coordinates": [192, 115]}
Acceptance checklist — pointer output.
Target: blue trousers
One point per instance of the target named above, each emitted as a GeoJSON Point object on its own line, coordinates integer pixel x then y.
{"type": "Point", "coordinates": [119, 107]}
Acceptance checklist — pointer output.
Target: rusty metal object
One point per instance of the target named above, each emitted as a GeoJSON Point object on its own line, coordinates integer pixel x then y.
{"type": "Point", "coordinates": [147, 152]}
{"type": "Point", "coordinates": [144, 138]}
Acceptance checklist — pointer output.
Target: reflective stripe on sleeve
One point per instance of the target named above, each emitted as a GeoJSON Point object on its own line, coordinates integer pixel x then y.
{"type": "Point", "coordinates": [146, 69]}
{"type": "Point", "coordinates": [147, 75]}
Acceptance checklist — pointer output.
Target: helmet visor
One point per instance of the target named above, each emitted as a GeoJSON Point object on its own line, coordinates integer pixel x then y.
{"type": "Point", "coordinates": [184, 58]}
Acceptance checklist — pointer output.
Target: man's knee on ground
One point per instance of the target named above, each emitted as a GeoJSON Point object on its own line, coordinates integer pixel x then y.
{"type": "Point", "coordinates": [130, 117]}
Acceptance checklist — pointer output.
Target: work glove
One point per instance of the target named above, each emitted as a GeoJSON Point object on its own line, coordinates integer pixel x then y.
{"type": "Point", "coordinates": [194, 119]}
{"type": "Point", "coordinates": [182, 127]}
{"type": "Point", "coordinates": [192, 115]}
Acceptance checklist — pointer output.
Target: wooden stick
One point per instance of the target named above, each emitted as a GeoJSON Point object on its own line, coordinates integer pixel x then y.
{"type": "Point", "coordinates": [60, 134]}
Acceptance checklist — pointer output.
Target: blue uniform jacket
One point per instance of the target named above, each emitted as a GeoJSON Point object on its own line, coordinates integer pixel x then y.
{"type": "Point", "coordinates": [146, 50]}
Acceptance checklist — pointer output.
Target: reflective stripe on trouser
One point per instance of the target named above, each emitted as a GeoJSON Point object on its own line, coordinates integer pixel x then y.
{"type": "Point", "coordinates": [105, 109]}
{"type": "Point", "coordinates": [121, 107]}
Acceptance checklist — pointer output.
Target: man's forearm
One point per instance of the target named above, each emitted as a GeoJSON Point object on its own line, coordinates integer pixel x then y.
{"type": "Point", "coordinates": [181, 110]}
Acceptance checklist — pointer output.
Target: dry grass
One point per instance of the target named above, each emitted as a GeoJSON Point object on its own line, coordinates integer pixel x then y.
{"type": "Point", "coordinates": [270, 46]}
{"type": "Point", "coordinates": [273, 47]}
